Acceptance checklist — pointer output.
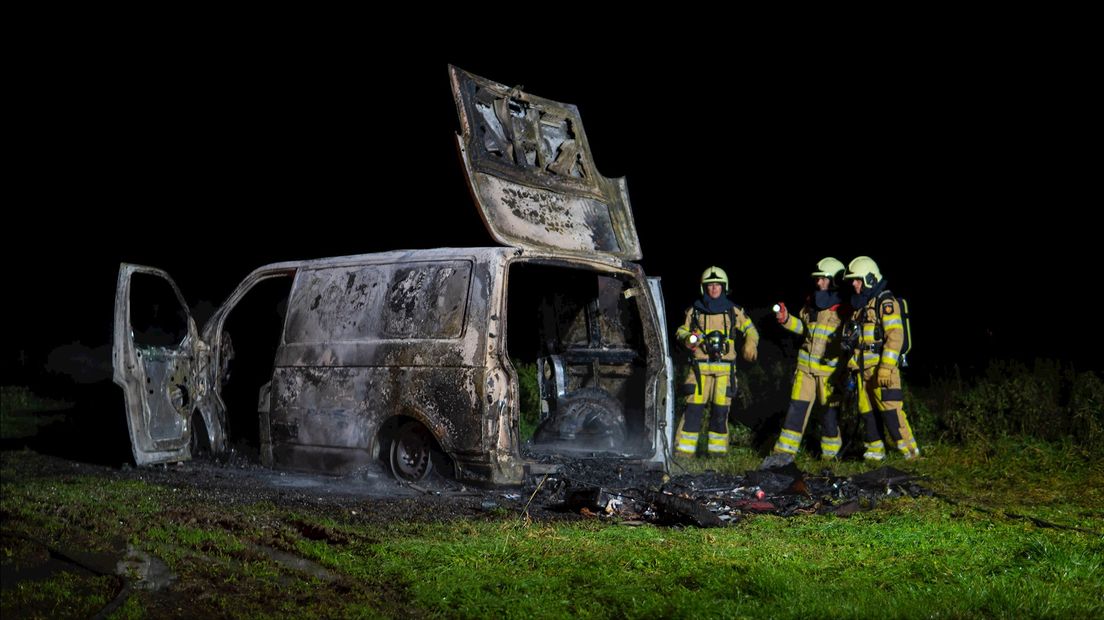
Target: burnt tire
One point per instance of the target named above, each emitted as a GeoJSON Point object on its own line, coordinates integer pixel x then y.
{"type": "Point", "coordinates": [411, 452]}
{"type": "Point", "coordinates": [589, 418]}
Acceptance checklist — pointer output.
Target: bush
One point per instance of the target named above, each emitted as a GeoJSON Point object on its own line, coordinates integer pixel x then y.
{"type": "Point", "coordinates": [1086, 411]}
{"type": "Point", "coordinates": [22, 411]}
{"type": "Point", "coordinates": [922, 418]}
{"type": "Point", "coordinates": [1047, 401]}
{"type": "Point", "coordinates": [529, 395]}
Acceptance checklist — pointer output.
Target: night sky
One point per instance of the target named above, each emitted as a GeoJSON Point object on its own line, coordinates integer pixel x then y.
{"type": "Point", "coordinates": [966, 177]}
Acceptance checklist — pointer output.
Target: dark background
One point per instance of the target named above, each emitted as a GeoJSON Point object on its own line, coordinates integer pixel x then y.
{"type": "Point", "coordinates": [965, 172]}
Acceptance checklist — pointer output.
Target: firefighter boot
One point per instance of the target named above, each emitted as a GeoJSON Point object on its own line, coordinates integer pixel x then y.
{"type": "Point", "coordinates": [830, 440]}
{"type": "Point", "coordinates": [875, 451]}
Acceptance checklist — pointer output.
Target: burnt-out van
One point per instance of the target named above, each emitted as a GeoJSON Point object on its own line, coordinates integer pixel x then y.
{"type": "Point", "coordinates": [417, 359]}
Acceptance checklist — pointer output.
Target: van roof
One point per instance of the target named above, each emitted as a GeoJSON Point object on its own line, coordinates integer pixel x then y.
{"type": "Point", "coordinates": [434, 254]}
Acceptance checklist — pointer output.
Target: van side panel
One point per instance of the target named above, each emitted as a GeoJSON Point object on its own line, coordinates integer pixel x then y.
{"type": "Point", "coordinates": [366, 342]}
{"type": "Point", "coordinates": [328, 417]}
{"type": "Point", "coordinates": [425, 300]}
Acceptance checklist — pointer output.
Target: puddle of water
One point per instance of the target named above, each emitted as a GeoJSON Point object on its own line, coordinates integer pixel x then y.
{"type": "Point", "coordinates": [295, 482]}
{"type": "Point", "coordinates": [294, 562]}
{"type": "Point", "coordinates": [144, 571]}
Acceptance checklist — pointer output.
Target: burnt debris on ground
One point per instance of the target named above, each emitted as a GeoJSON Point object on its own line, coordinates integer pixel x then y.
{"type": "Point", "coordinates": [709, 499]}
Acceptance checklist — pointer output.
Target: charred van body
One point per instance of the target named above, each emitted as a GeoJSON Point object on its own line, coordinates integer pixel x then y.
{"type": "Point", "coordinates": [397, 356]}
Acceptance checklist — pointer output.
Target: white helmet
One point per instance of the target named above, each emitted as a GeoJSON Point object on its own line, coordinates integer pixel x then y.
{"type": "Point", "coordinates": [714, 274]}
{"type": "Point", "coordinates": [864, 268]}
{"type": "Point", "coordinates": [829, 268]}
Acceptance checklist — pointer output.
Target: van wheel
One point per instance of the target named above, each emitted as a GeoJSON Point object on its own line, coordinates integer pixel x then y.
{"type": "Point", "coordinates": [411, 452]}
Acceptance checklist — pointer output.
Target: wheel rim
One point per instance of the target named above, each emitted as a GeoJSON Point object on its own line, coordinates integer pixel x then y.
{"type": "Point", "coordinates": [410, 453]}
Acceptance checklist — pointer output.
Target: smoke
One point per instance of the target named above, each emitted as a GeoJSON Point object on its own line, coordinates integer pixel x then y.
{"type": "Point", "coordinates": [82, 364]}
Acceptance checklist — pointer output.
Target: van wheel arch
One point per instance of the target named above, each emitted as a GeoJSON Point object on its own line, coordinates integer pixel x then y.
{"type": "Point", "coordinates": [410, 451]}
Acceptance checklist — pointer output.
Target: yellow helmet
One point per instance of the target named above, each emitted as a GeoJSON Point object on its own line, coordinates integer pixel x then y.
{"type": "Point", "coordinates": [714, 274]}
{"type": "Point", "coordinates": [829, 268]}
{"type": "Point", "coordinates": [864, 268]}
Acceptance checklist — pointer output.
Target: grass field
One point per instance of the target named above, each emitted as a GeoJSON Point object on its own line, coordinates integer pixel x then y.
{"type": "Point", "coordinates": [1013, 531]}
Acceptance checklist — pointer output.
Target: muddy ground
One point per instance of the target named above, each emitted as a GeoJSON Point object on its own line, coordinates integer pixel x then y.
{"type": "Point", "coordinates": [237, 480]}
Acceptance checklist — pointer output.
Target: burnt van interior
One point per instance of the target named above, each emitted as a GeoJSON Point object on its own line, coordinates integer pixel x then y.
{"type": "Point", "coordinates": [582, 332]}
{"type": "Point", "coordinates": [250, 337]}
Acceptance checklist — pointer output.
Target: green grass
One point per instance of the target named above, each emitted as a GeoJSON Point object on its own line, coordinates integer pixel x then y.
{"type": "Point", "coordinates": [23, 413]}
{"type": "Point", "coordinates": [925, 557]}
{"type": "Point", "coordinates": [913, 558]}
{"type": "Point", "coordinates": [62, 595]}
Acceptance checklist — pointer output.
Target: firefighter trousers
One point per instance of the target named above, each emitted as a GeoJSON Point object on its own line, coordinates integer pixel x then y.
{"type": "Point", "coordinates": [808, 388]}
{"type": "Point", "coordinates": [889, 403]}
{"type": "Point", "coordinates": [708, 382]}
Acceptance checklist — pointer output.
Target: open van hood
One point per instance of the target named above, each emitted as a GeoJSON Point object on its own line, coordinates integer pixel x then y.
{"type": "Point", "coordinates": [531, 173]}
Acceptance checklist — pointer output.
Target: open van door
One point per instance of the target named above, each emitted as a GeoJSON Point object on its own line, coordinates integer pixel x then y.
{"type": "Point", "coordinates": [162, 366]}
{"type": "Point", "coordinates": [531, 173]}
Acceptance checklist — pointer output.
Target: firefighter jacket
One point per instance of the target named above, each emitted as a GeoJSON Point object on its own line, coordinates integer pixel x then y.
{"type": "Point", "coordinates": [729, 322]}
{"type": "Point", "coordinates": [879, 333]}
{"type": "Point", "coordinates": [822, 350]}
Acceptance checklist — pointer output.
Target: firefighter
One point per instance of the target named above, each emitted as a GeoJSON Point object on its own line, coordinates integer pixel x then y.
{"type": "Point", "coordinates": [818, 369]}
{"type": "Point", "coordinates": [876, 335]}
{"type": "Point", "coordinates": [709, 334]}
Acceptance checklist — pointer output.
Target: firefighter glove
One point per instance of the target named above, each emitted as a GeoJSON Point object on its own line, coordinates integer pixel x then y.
{"type": "Point", "coordinates": [884, 376]}
{"type": "Point", "coordinates": [780, 312]}
{"type": "Point", "coordinates": [750, 351]}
